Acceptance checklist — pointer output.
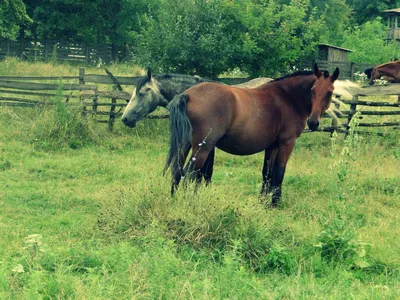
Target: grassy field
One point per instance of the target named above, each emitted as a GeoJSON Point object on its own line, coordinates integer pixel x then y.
{"type": "Point", "coordinates": [86, 214]}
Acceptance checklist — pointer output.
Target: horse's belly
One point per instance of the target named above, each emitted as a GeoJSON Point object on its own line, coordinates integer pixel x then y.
{"type": "Point", "coordinates": [243, 145]}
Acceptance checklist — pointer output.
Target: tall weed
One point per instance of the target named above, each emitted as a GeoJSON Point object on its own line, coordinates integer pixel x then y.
{"type": "Point", "coordinates": [61, 125]}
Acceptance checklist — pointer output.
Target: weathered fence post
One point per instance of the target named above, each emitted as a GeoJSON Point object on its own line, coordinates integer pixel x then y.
{"type": "Point", "coordinates": [112, 111]}
{"type": "Point", "coordinates": [82, 82]}
{"type": "Point", "coordinates": [352, 71]}
{"type": "Point", "coordinates": [333, 123]}
{"type": "Point", "coordinates": [353, 108]}
{"type": "Point", "coordinates": [87, 53]}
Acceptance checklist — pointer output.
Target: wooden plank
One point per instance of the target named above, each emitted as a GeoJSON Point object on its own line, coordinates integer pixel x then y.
{"type": "Point", "coordinates": [21, 100]}
{"type": "Point", "coordinates": [379, 113]}
{"type": "Point", "coordinates": [17, 104]}
{"type": "Point", "coordinates": [340, 130]}
{"type": "Point", "coordinates": [103, 104]}
{"type": "Point", "coordinates": [38, 77]}
{"type": "Point", "coordinates": [379, 124]}
{"type": "Point", "coordinates": [43, 86]}
{"type": "Point", "coordinates": [105, 79]}
{"type": "Point", "coordinates": [36, 94]}
{"type": "Point", "coordinates": [371, 103]}
{"type": "Point", "coordinates": [372, 113]}
{"type": "Point", "coordinates": [380, 90]}
{"type": "Point", "coordinates": [106, 94]}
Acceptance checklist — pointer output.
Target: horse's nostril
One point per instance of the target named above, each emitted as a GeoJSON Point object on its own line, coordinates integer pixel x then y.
{"type": "Point", "coordinates": [313, 125]}
{"type": "Point", "coordinates": [124, 120]}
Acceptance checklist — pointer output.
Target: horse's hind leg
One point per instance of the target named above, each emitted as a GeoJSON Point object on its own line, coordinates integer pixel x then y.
{"type": "Point", "coordinates": [201, 163]}
{"type": "Point", "coordinates": [178, 172]}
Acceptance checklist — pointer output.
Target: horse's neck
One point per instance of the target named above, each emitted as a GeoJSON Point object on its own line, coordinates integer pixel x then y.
{"type": "Point", "coordinates": [173, 85]}
{"type": "Point", "coordinates": [391, 70]}
{"type": "Point", "coordinates": [298, 90]}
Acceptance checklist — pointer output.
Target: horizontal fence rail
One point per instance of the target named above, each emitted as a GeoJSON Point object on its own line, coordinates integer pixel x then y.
{"type": "Point", "coordinates": [84, 90]}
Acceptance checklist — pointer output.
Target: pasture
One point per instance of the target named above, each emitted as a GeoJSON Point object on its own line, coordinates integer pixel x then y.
{"type": "Point", "coordinates": [87, 214]}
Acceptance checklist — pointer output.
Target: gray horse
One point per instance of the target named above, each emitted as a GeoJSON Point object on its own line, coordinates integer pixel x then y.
{"type": "Point", "coordinates": [159, 90]}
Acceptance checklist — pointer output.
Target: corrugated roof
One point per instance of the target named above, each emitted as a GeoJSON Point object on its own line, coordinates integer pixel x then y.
{"type": "Point", "coordinates": [394, 10]}
{"type": "Point", "coordinates": [336, 47]}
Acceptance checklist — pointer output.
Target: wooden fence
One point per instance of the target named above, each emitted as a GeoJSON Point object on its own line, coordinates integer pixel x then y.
{"type": "Point", "coordinates": [46, 50]}
{"type": "Point", "coordinates": [70, 51]}
{"type": "Point", "coordinates": [91, 93]}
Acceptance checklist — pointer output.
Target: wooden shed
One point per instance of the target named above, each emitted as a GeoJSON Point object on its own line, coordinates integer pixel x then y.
{"type": "Point", "coordinates": [393, 28]}
{"type": "Point", "coordinates": [331, 53]}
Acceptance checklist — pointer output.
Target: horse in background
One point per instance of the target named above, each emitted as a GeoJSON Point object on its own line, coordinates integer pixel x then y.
{"type": "Point", "coordinates": [154, 91]}
{"type": "Point", "coordinates": [390, 70]}
{"type": "Point", "coordinates": [245, 121]}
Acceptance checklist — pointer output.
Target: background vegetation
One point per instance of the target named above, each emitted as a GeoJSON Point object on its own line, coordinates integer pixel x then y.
{"type": "Point", "coordinates": [86, 214]}
{"type": "Point", "coordinates": [207, 38]}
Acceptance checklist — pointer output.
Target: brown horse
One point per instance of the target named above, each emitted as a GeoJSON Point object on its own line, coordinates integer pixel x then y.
{"type": "Point", "coordinates": [245, 121]}
{"type": "Point", "coordinates": [390, 70]}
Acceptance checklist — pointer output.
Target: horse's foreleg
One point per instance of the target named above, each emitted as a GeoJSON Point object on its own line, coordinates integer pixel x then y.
{"type": "Point", "coordinates": [282, 157]}
{"type": "Point", "coordinates": [269, 159]}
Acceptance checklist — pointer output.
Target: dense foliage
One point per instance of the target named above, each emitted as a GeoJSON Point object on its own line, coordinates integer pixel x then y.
{"type": "Point", "coordinates": [261, 37]}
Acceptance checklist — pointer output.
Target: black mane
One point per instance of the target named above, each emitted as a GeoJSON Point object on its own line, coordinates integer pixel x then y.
{"type": "Point", "coordinates": [185, 79]}
{"type": "Point", "coordinates": [297, 73]}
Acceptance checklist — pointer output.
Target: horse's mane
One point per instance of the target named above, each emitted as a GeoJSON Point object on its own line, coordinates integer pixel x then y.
{"type": "Point", "coordinates": [171, 77]}
{"type": "Point", "coordinates": [297, 73]}
{"type": "Point", "coordinates": [388, 63]}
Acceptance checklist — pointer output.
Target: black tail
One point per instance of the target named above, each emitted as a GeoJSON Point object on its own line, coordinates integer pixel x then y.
{"type": "Point", "coordinates": [180, 131]}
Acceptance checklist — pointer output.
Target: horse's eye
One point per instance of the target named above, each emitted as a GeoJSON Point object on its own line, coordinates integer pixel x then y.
{"type": "Point", "coordinates": [328, 96]}
{"type": "Point", "coordinates": [141, 94]}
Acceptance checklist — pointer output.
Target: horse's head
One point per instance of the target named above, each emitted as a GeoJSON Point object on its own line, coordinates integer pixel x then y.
{"type": "Point", "coordinates": [145, 99]}
{"type": "Point", "coordinates": [321, 95]}
{"type": "Point", "coordinates": [374, 73]}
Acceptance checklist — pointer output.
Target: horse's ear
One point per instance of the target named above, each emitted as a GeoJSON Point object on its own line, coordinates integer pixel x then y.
{"type": "Point", "coordinates": [335, 74]}
{"type": "Point", "coordinates": [148, 73]}
{"type": "Point", "coordinates": [317, 72]}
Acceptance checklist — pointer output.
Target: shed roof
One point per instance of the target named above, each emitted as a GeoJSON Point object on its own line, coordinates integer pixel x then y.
{"type": "Point", "coordinates": [394, 10]}
{"type": "Point", "coordinates": [336, 47]}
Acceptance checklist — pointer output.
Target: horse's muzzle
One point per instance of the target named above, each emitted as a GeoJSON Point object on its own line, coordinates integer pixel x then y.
{"type": "Point", "coordinates": [129, 123]}
{"type": "Point", "coordinates": [312, 125]}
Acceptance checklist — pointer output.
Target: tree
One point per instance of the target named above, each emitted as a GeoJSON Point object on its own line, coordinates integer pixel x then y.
{"type": "Point", "coordinates": [206, 38]}
{"type": "Point", "coordinates": [12, 16]}
{"type": "Point", "coordinates": [186, 36]}
{"type": "Point", "coordinates": [369, 43]}
{"type": "Point", "coordinates": [275, 36]}
{"type": "Point", "coordinates": [367, 10]}
{"type": "Point", "coordinates": [98, 21]}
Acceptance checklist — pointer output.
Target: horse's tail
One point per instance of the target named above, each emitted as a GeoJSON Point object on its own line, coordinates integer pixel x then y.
{"type": "Point", "coordinates": [180, 131]}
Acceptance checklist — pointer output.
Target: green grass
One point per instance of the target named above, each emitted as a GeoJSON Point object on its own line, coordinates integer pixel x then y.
{"type": "Point", "coordinates": [86, 214]}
